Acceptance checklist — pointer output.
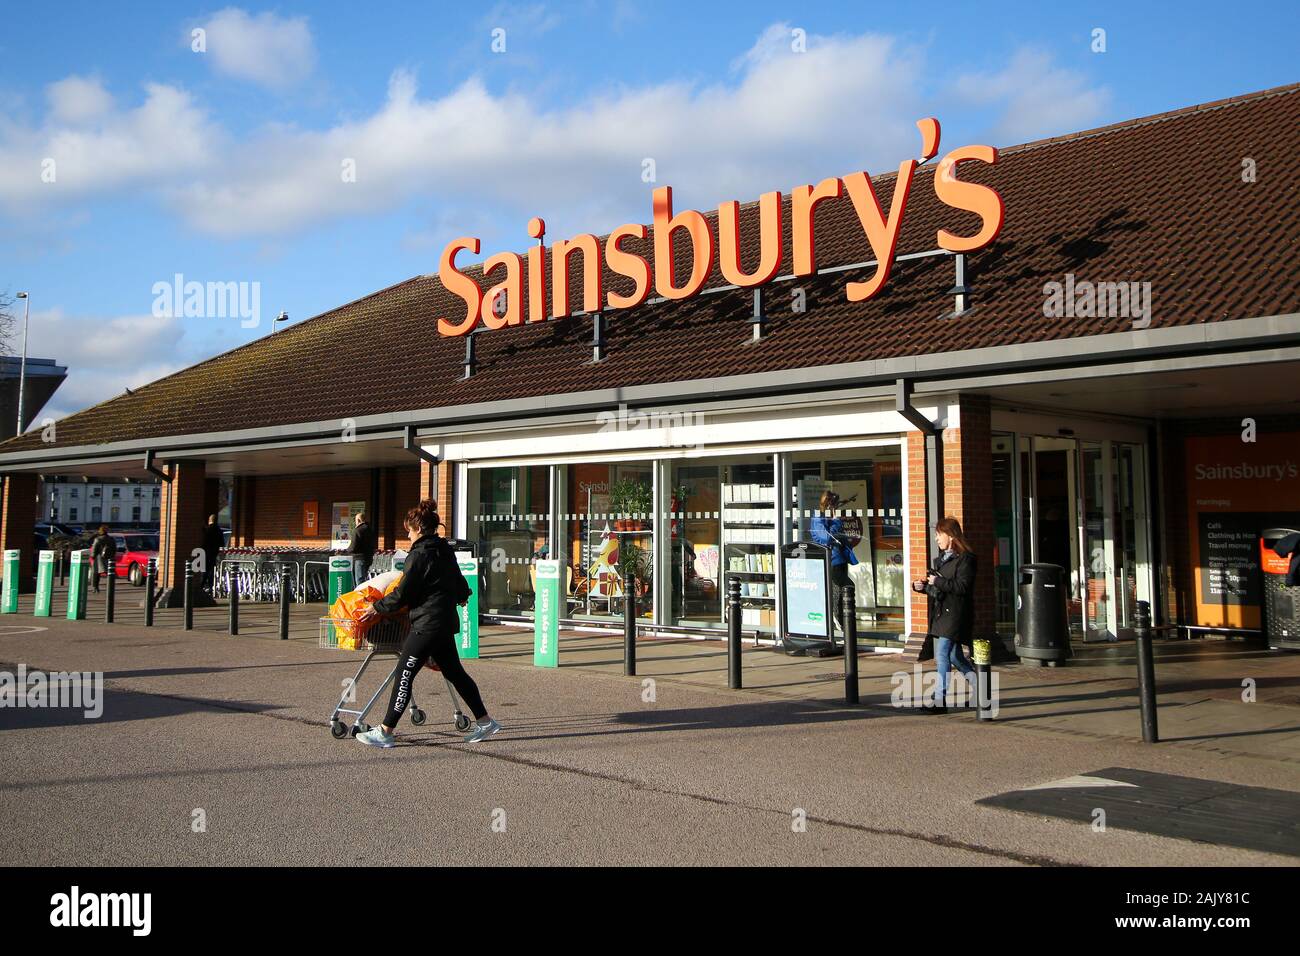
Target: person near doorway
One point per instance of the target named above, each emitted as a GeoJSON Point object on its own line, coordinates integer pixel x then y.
{"type": "Point", "coordinates": [431, 587]}
{"type": "Point", "coordinates": [827, 529]}
{"type": "Point", "coordinates": [362, 549]}
{"type": "Point", "coordinates": [950, 585]}
{"type": "Point", "coordinates": [214, 540]}
{"type": "Point", "coordinates": [103, 555]}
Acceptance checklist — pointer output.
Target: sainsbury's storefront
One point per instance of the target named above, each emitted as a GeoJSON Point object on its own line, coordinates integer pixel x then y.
{"type": "Point", "coordinates": [1058, 343]}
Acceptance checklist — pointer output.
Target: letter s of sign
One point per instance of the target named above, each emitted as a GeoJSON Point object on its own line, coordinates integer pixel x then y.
{"type": "Point", "coordinates": [971, 197]}
{"type": "Point", "coordinates": [457, 283]}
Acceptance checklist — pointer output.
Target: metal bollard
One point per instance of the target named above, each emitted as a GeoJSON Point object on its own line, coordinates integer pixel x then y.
{"type": "Point", "coordinates": [63, 557]}
{"type": "Point", "coordinates": [111, 596]}
{"type": "Point", "coordinates": [629, 622]}
{"type": "Point", "coordinates": [1146, 672]}
{"type": "Point", "coordinates": [150, 583]}
{"type": "Point", "coordinates": [232, 586]}
{"type": "Point", "coordinates": [849, 605]}
{"type": "Point", "coordinates": [733, 633]}
{"type": "Point", "coordinates": [284, 602]}
{"type": "Point", "coordinates": [189, 596]}
{"type": "Point", "coordinates": [982, 650]}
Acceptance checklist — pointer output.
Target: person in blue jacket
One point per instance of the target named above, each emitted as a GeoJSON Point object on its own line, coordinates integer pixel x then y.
{"type": "Point", "coordinates": [827, 529]}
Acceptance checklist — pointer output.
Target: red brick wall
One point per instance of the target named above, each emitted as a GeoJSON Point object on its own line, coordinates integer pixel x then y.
{"type": "Point", "coordinates": [182, 518]}
{"type": "Point", "coordinates": [18, 524]}
{"type": "Point", "coordinates": [274, 512]}
{"type": "Point", "coordinates": [277, 520]}
{"type": "Point", "coordinates": [967, 496]}
{"type": "Point", "coordinates": [969, 454]}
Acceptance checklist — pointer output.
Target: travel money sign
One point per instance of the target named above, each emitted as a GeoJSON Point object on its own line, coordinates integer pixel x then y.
{"type": "Point", "coordinates": [881, 230]}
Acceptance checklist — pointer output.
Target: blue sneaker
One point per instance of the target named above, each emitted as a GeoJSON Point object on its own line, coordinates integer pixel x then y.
{"type": "Point", "coordinates": [482, 731]}
{"type": "Point", "coordinates": [376, 738]}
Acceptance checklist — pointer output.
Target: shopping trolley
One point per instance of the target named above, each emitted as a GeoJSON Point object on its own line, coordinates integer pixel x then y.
{"type": "Point", "coordinates": [383, 639]}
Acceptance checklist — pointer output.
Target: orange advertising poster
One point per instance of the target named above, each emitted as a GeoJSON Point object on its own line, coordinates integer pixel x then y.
{"type": "Point", "coordinates": [1235, 490]}
{"type": "Point", "coordinates": [310, 519]}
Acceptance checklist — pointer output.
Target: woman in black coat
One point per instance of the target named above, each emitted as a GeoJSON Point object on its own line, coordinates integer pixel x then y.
{"type": "Point", "coordinates": [431, 587]}
{"type": "Point", "coordinates": [950, 585]}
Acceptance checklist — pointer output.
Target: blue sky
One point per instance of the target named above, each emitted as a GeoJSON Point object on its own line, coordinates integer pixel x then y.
{"type": "Point", "coordinates": [226, 164]}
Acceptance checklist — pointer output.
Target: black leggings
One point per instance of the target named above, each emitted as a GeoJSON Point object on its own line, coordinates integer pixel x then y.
{"type": "Point", "coordinates": [418, 647]}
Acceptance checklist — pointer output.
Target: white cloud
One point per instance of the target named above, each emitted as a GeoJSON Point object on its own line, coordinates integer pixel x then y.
{"type": "Point", "coordinates": [1038, 98]}
{"type": "Point", "coordinates": [88, 146]}
{"type": "Point", "coordinates": [272, 51]}
{"type": "Point", "coordinates": [77, 99]}
{"type": "Point", "coordinates": [103, 356]}
{"type": "Point", "coordinates": [779, 119]}
{"type": "Point", "coordinates": [782, 122]}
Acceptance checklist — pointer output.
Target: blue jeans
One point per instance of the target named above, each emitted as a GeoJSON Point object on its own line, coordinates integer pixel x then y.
{"type": "Point", "coordinates": [947, 653]}
{"type": "Point", "coordinates": [360, 570]}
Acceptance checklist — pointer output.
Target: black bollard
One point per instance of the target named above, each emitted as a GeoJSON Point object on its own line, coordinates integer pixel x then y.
{"type": "Point", "coordinates": [232, 585]}
{"type": "Point", "coordinates": [150, 582]}
{"type": "Point", "coordinates": [629, 621]}
{"type": "Point", "coordinates": [733, 633]}
{"type": "Point", "coordinates": [849, 605]}
{"type": "Point", "coordinates": [189, 596]}
{"type": "Point", "coordinates": [111, 595]}
{"type": "Point", "coordinates": [1146, 672]}
{"type": "Point", "coordinates": [284, 601]}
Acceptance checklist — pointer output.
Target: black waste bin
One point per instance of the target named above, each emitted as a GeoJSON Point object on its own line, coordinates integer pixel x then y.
{"type": "Point", "coordinates": [1281, 623]}
{"type": "Point", "coordinates": [1042, 620]}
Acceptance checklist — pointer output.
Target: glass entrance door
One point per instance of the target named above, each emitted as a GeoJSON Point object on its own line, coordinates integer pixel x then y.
{"type": "Point", "coordinates": [1083, 507]}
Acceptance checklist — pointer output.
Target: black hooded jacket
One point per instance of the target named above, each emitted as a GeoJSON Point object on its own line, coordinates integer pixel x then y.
{"type": "Point", "coordinates": [431, 587]}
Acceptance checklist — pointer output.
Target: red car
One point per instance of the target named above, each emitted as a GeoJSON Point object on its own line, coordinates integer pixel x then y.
{"type": "Point", "coordinates": [133, 554]}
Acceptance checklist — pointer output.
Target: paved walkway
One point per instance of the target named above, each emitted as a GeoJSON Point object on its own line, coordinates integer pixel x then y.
{"type": "Point", "coordinates": [593, 767]}
{"type": "Point", "coordinates": [1231, 698]}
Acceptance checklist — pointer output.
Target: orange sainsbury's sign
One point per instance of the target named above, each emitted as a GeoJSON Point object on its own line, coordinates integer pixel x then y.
{"type": "Point", "coordinates": [881, 230]}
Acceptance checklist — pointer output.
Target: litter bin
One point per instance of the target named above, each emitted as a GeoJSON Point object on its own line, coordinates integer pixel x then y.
{"type": "Point", "coordinates": [1042, 620]}
{"type": "Point", "coordinates": [1281, 606]}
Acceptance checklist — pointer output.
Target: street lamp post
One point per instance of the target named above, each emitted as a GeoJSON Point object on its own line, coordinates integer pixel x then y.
{"type": "Point", "coordinates": [22, 369]}
{"type": "Point", "coordinates": [282, 317]}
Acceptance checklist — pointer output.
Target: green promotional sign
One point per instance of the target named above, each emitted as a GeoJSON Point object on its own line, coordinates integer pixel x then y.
{"type": "Point", "coordinates": [546, 615]}
{"type": "Point", "coordinates": [340, 577]}
{"type": "Point", "coordinates": [78, 584]}
{"type": "Point", "coordinates": [13, 561]}
{"type": "Point", "coordinates": [44, 583]}
{"type": "Point", "coordinates": [467, 639]}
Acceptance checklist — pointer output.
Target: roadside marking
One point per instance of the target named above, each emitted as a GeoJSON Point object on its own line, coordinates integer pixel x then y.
{"type": "Point", "coordinates": [1080, 780]}
{"type": "Point", "coordinates": [21, 628]}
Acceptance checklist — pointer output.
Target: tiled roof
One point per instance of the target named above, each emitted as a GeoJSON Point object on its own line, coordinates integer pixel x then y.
{"type": "Point", "coordinates": [1159, 200]}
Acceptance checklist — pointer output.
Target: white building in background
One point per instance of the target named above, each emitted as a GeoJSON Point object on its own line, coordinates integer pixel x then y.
{"type": "Point", "coordinates": [100, 502]}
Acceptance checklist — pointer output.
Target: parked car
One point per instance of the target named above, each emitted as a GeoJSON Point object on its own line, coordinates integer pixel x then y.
{"type": "Point", "coordinates": [133, 554]}
{"type": "Point", "coordinates": [51, 528]}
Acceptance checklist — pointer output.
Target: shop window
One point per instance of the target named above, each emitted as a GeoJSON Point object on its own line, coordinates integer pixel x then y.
{"type": "Point", "coordinates": [608, 524]}
{"type": "Point", "coordinates": [853, 501]}
{"type": "Point", "coordinates": [509, 518]}
{"type": "Point", "coordinates": [723, 525]}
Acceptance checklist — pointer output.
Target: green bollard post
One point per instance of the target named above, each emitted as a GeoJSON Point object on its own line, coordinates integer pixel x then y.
{"type": "Point", "coordinates": [13, 559]}
{"type": "Point", "coordinates": [44, 584]}
{"type": "Point", "coordinates": [467, 639]}
{"type": "Point", "coordinates": [78, 583]}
